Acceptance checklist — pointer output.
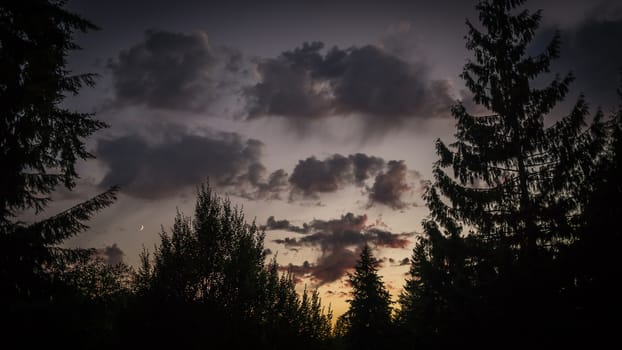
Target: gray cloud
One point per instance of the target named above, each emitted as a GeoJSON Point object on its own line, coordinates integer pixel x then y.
{"type": "Point", "coordinates": [389, 186]}
{"type": "Point", "coordinates": [158, 169]}
{"type": "Point", "coordinates": [260, 186]}
{"type": "Point", "coordinates": [588, 50]}
{"type": "Point", "coordinates": [286, 88]}
{"type": "Point", "coordinates": [339, 240]}
{"type": "Point", "coordinates": [312, 176]}
{"type": "Point", "coordinates": [173, 71]}
{"type": "Point", "coordinates": [112, 255]}
{"type": "Point", "coordinates": [593, 51]}
{"type": "Point", "coordinates": [273, 224]}
{"type": "Point", "coordinates": [385, 90]}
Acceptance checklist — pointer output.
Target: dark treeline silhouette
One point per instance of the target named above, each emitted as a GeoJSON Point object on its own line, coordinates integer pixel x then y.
{"type": "Point", "coordinates": [520, 247]}
{"type": "Point", "coordinates": [207, 283]}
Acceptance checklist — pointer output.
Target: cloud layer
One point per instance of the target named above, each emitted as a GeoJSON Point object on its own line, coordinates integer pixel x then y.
{"type": "Point", "coordinates": [595, 56]}
{"type": "Point", "coordinates": [155, 169]}
{"type": "Point", "coordinates": [306, 84]}
{"type": "Point", "coordinates": [174, 71]}
{"type": "Point", "coordinates": [391, 180]}
{"type": "Point", "coordinates": [312, 176]}
{"type": "Point", "coordinates": [390, 185]}
{"type": "Point", "coordinates": [111, 255]}
{"type": "Point", "coordinates": [339, 241]}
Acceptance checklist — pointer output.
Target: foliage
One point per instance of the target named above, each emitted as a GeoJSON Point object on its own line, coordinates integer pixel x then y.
{"type": "Point", "coordinates": [503, 221]}
{"type": "Point", "coordinates": [215, 263]}
{"type": "Point", "coordinates": [40, 141]}
{"type": "Point", "coordinates": [369, 317]}
{"type": "Point", "coordinates": [40, 145]}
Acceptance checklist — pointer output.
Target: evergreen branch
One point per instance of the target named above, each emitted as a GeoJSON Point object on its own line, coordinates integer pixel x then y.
{"type": "Point", "coordinates": [70, 222]}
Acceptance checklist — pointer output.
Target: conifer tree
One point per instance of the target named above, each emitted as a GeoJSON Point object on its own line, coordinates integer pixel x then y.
{"type": "Point", "coordinates": [504, 204]}
{"type": "Point", "coordinates": [594, 259]}
{"type": "Point", "coordinates": [40, 145]}
{"type": "Point", "coordinates": [369, 316]}
{"type": "Point", "coordinates": [40, 141]}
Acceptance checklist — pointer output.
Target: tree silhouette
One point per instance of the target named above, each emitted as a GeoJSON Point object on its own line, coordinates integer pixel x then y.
{"type": "Point", "coordinates": [40, 143]}
{"type": "Point", "coordinates": [207, 282]}
{"type": "Point", "coordinates": [594, 259]}
{"type": "Point", "coordinates": [369, 316]}
{"type": "Point", "coordinates": [502, 222]}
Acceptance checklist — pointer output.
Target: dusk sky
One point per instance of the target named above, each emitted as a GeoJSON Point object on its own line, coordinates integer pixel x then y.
{"type": "Point", "coordinates": [317, 117]}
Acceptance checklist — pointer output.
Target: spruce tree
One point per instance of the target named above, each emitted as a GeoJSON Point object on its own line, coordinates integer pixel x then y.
{"type": "Point", "coordinates": [40, 145]}
{"type": "Point", "coordinates": [505, 202]}
{"type": "Point", "coordinates": [594, 259]}
{"type": "Point", "coordinates": [369, 316]}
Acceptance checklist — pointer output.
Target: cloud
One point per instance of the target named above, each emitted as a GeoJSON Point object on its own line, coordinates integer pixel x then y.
{"type": "Point", "coordinates": [286, 89]}
{"type": "Point", "coordinates": [156, 169]}
{"type": "Point", "coordinates": [112, 255]}
{"type": "Point", "coordinates": [365, 166]}
{"type": "Point", "coordinates": [389, 186]}
{"type": "Point", "coordinates": [382, 88]}
{"type": "Point", "coordinates": [163, 166]}
{"type": "Point", "coordinates": [339, 241]}
{"type": "Point", "coordinates": [589, 51]}
{"type": "Point", "coordinates": [595, 56]}
{"type": "Point", "coordinates": [174, 71]}
{"type": "Point", "coordinates": [312, 176]}
{"type": "Point", "coordinates": [260, 186]}
{"type": "Point", "coordinates": [273, 224]}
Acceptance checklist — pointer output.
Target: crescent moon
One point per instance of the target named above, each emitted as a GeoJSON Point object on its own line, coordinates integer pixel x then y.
{"type": "Point", "coordinates": [142, 227]}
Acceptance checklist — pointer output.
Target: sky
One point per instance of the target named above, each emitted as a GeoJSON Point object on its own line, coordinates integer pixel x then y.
{"type": "Point", "coordinates": [317, 118]}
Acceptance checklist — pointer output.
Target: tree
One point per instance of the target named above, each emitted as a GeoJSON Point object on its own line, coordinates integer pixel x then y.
{"type": "Point", "coordinates": [40, 141]}
{"type": "Point", "coordinates": [40, 144]}
{"type": "Point", "coordinates": [207, 282]}
{"type": "Point", "coordinates": [369, 316]}
{"type": "Point", "coordinates": [594, 259]}
{"type": "Point", "coordinates": [501, 224]}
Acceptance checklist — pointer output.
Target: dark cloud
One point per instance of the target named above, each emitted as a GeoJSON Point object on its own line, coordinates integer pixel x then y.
{"type": "Point", "coordinates": [389, 186]}
{"type": "Point", "coordinates": [593, 51]}
{"type": "Point", "coordinates": [364, 166]}
{"type": "Point", "coordinates": [260, 186]}
{"type": "Point", "coordinates": [332, 266]}
{"type": "Point", "coordinates": [401, 262]}
{"type": "Point", "coordinates": [338, 293]}
{"type": "Point", "coordinates": [307, 84]}
{"type": "Point", "coordinates": [180, 159]}
{"type": "Point", "coordinates": [173, 71]}
{"type": "Point", "coordinates": [339, 241]}
{"type": "Point", "coordinates": [273, 224]}
{"type": "Point", "coordinates": [286, 88]}
{"type": "Point", "coordinates": [112, 255]}
{"type": "Point", "coordinates": [590, 51]}
{"type": "Point", "coordinates": [312, 176]}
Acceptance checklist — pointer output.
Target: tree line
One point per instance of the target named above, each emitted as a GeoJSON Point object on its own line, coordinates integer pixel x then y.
{"type": "Point", "coordinates": [519, 248]}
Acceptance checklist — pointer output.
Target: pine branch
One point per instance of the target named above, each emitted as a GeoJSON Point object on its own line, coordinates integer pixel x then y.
{"type": "Point", "coordinates": [70, 222]}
